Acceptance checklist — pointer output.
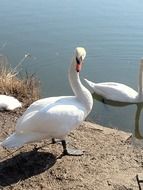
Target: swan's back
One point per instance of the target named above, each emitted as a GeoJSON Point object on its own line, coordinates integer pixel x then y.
{"type": "Point", "coordinates": [114, 91]}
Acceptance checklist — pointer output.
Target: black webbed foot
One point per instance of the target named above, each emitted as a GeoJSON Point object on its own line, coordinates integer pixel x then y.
{"type": "Point", "coordinates": [70, 152]}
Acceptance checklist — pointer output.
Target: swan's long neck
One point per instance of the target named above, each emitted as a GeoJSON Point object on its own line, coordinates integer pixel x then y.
{"type": "Point", "coordinates": [82, 93]}
{"type": "Point", "coordinates": [140, 87]}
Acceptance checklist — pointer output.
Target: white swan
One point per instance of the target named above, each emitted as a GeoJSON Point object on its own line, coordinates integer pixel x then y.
{"type": "Point", "coordinates": [9, 103]}
{"type": "Point", "coordinates": [119, 92]}
{"type": "Point", "coordinates": [55, 117]}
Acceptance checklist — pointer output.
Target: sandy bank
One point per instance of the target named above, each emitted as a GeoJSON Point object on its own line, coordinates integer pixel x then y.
{"type": "Point", "coordinates": [110, 161]}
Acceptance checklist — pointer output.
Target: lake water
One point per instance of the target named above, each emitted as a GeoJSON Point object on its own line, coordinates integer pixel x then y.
{"type": "Point", "coordinates": [111, 32]}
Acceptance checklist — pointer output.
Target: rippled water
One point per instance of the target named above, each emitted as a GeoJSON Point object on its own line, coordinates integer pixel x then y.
{"type": "Point", "coordinates": [111, 31]}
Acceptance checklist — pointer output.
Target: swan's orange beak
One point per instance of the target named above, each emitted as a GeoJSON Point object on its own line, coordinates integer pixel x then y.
{"type": "Point", "coordinates": [78, 64]}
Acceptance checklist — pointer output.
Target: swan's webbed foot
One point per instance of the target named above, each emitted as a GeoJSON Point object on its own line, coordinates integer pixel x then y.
{"type": "Point", "coordinates": [70, 152]}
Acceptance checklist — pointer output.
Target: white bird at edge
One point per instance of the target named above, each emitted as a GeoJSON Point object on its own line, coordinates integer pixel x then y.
{"type": "Point", "coordinates": [55, 117]}
{"type": "Point", "coordinates": [119, 92]}
{"type": "Point", "coordinates": [9, 103]}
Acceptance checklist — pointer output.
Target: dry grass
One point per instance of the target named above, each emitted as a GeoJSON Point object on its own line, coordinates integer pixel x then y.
{"type": "Point", "coordinates": [24, 87]}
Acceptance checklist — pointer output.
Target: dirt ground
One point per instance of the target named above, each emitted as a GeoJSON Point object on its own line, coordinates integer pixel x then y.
{"type": "Point", "coordinates": [110, 161]}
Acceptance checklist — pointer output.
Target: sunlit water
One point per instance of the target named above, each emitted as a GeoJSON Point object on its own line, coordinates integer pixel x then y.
{"type": "Point", "coordinates": [111, 31]}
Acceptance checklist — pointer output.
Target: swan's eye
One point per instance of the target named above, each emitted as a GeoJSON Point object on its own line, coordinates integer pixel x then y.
{"type": "Point", "coordinates": [77, 60]}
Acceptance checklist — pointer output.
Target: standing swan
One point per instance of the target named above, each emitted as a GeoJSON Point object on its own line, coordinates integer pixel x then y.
{"type": "Point", "coordinates": [9, 103]}
{"type": "Point", "coordinates": [118, 92]}
{"type": "Point", "coordinates": [55, 117]}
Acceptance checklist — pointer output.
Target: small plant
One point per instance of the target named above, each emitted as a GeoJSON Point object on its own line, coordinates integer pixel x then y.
{"type": "Point", "coordinates": [24, 87]}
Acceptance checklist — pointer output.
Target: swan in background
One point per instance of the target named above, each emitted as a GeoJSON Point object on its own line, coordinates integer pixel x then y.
{"type": "Point", "coordinates": [118, 92]}
{"type": "Point", "coordinates": [9, 103]}
{"type": "Point", "coordinates": [55, 117]}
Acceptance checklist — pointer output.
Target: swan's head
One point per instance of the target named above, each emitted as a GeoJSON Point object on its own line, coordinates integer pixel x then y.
{"type": "Point", "coordinates": [80, 54]}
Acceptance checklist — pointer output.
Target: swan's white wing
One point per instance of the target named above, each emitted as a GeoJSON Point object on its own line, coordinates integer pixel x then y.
{"type": "Point", "coordinates": [114, 91]}
{"type": "Point", "coordinates": [39, 104]}
{"type": "Point", "coordinates": [55, 120]}
{"type": "Point", "coordinates": [52, 121]}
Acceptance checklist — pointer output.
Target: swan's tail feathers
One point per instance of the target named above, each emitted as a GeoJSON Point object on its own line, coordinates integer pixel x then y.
{"type": "Point", "coordinates": [13, 141]}
{"type": "Point", "coordinates": [90, 84]}
{"type": "Point", "coordinates": [17, 140]}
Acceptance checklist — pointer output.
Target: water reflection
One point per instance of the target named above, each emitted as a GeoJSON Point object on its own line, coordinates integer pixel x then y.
{"type": "Point", "coordinates": [137, 121]}
{"type": "Point", "coordinates": [137, 132]}
{"type": "Point", "coordinates": [110, 102]}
